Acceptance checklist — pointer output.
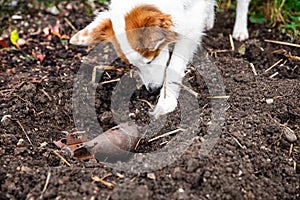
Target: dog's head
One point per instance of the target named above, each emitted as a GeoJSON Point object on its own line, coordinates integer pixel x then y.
{"type": "Point", "coordinates": [138, 37]}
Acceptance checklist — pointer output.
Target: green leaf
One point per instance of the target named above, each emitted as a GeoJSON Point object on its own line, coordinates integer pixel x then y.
{"type": "Point", "coordinates": [242, 49]}
{"type": "Point", "coordinates": [14, 37]}
{"type": "Point", "coordinates": [257, 19]}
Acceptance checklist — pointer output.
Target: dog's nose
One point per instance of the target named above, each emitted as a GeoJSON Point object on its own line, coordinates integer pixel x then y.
{"type": "Point", "coordinates": [153, 87]}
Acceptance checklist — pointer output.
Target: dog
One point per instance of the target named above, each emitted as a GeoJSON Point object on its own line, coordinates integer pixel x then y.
{"type": "Point", "coordinates": [142, 32]}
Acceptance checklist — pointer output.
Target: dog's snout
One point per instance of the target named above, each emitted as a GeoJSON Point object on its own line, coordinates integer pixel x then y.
{"type": "Point", "coordinates": [153, 87]}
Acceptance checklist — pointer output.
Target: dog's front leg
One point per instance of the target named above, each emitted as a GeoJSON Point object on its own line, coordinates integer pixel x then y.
{"type": "Point", "coordinates": [174, 74]}
{"type": "Point", "coordinates": [240, 31]}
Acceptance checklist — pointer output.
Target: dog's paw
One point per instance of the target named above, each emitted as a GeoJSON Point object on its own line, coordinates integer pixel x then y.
{"type": "Point", "coordinates": [240, 35]}
{"type": "Point", "coordinates": [164, 105]}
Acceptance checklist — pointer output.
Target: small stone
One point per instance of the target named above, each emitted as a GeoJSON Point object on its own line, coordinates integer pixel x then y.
{"type": "Point", "coordinates": [181, 190]}
{"type": "Point", "coordinates": [192, 165]}
{"type": "Point", "coordinates": [229, 169]}
{"type": "Point", "coordinates": [151, 176]}
{"type": "Point", "coordinates": [16, 17]}
{"type": "Point", "coordinates": [106, 117]}
{"type": "Point", "coordinates": [270, 101]}
{"type": "Point", "coordinates": [20, 143]}
{"type": "Point", "coordinates": [21, 42]}
{"type": "Point", "coordinates": [289, 134]}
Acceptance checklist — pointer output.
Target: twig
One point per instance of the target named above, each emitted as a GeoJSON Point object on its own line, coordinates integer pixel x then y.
{"type": "Point", "coordinates": [187, 89]}
{"type": "Point", "coordinates": [291, 149]}
{"type": "Point", "coordinates": [231, 42]}
{"type": "Point", "coordinates": [147, 102]}
{"type": "Point", "coordinates": [253, 69]}
{"type": "Point", "coordinates": [19, 123]}
{"type": "Point", "coordinates": [283, 43]}
{"type": "Point", "coordinates": [236, 140]}
{"type": "Point", "coordinates": [46, 94]}
{"type": "Point", "coordinates": [70, 24]}
{"type": "Point", "coordinates": [46, 184]}
{"type": "Point", "coordinates": [218, 97]}
{"type": "Point", "coordinates": [137, 144]}
{"type": "Point", "coordinates": [214, 52]}
{"type": "Point", "coordinates": [110, 81]}
{"type": "Point", "coordinates": [62, 158]}
{"type": "Point", "coordinates": [98, 68]}
{"type": "Point", "coordinates": [292, 57]}
{"type": "Point", "coordinates": [166, 134]}
{"type": "Point", "coordinates": [163, 143]}
{"type": "Point", "coordinates": [273, 75]}
{"type": "Point", "coordinates": [105, 183]}
{"type": "Point", "coordinates": [274, 65]}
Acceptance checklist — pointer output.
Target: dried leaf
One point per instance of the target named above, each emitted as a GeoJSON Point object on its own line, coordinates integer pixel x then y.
{"type": "Point", "coordinates": [56, 30]}
{"type": "Point", "coordinates": [3, 43]}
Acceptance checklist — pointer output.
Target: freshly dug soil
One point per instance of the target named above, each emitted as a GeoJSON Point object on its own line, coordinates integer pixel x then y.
{"type": "Point", "coordinates": [252, 159]}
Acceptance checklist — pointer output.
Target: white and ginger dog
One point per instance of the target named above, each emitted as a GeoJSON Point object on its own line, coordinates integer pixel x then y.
{"type": "Point", "coordinates": [142, 30]}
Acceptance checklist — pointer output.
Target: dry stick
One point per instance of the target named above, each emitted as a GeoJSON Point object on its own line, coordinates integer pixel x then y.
{"type": "Point", "coordinates": [70, 24]}
{"type": "Point", "coordinates": [236, 140]}
{"type": "Point", "coordinates": [218, 97]}
{"type": "Point", "coordinates": [292, 57]}
{"type": "Point", "coordinates": [283, 43]}
{"type": "Point", "coordinates": [137, 144]}
{"type": "Point", "coordinates": [46, 184]}
{"type": "Point", "coordinates": [253, 69]}
{"type": "Point", "coordinates": [46, 94]}
{"type": "Point", "coordinates": [291, 149]}
{"type": "Point", "coordinates": [62, 158]}
{"type": "Point", "coordinates": [110, 81]}
{"type": "Point", "coordinates": [295, 68]}
{"type": "Point", "coordinates": [165, 142]}
{"type": "Point", "coordinates": [147, 102]}
{"type": "Point", "coordinates": [273, 75]}
{"type": "Point", "coordinates": [274, 65]}
{"type": "Point", "coordinates": [187, 89]}
{"type": "Point", "coordinates": [214, 52]}
{"type": "Point", "coordinates": [166, 134]}
{"type": "Point", "coordinates": [19, 123]}
{"type": "Point", "coordinates": [231, 42]}
{"type": "Point", "coordinates": [100, 67]}
{"type": "Point", "coordinates": [105, 183]}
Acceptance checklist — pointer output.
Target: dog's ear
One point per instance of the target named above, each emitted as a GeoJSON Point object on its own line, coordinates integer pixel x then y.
{"type": "Point", "coordinates": [163, 23]}
{"type": "Point", "coordinates": [159, 20]}
{"type": "Point", "coordinates": [94, 33]}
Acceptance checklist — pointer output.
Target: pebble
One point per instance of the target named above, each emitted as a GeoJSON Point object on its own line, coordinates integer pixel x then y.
{"type": "Point", "coordinates": [151, 176]}
{"type": "Point", "coordinates": [229, 169]}
{"type": "Point", "coordinates": [290, 134]}
{"type": "Point", "coordinates": [20, 143]}
{"type": "Point", "coordinates": [270, 101]}
{"type": "Point", "coordinates": [16, 17]}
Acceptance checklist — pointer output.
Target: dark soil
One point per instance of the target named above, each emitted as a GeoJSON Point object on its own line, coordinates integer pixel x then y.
{"type": "Point", "coordinates": [253, 158]}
